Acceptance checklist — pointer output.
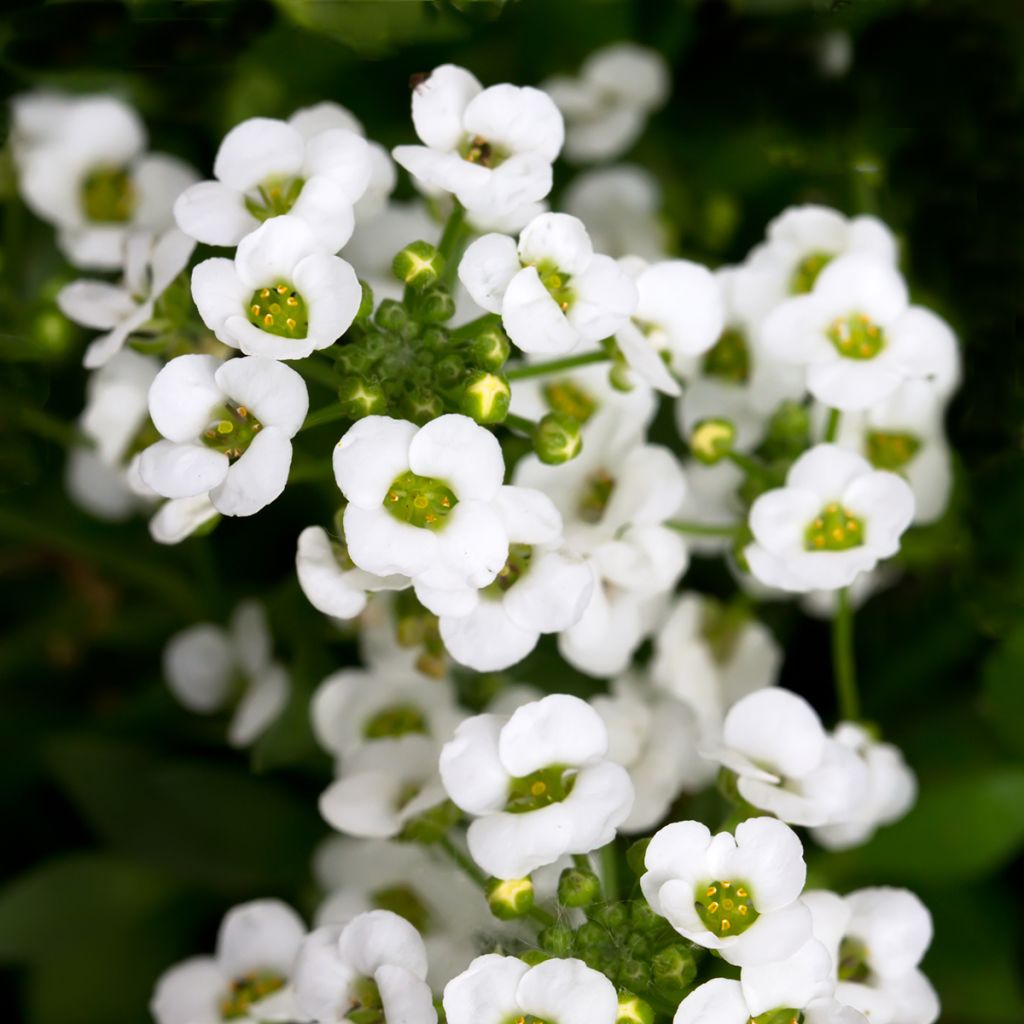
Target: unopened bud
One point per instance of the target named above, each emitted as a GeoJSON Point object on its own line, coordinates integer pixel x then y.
{"type": "Point", "coordinates": [358, 397]}
{"type": "Point", "coordinates": [391, 315]}
{"type": "Point", "coordinates": [558, 438]}
{"type": "Point", "coordinates": [557, 939]}
{"type": "Point", "coordinates": [418, 265]}
{"type": "Point", "coordinates": [633, 1009]}
{"type": "Point", "coordinates": [509, 898]}
{"type": "Point", "coordinates": [491, 347]}
{"type": "Point", "coordinates": [434, 305]}
{"type": "Point", "coordinates": [673, 970]}
{"type": "Point", "coordinates": [485, 397]}
{"type": "Point", "coordinates": [712, 440]}
{"type": "Point", "coordinates": [578, 887]}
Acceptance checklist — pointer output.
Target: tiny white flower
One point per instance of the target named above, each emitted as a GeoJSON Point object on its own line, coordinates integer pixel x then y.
{"type": "Point", "coordinates": [857, 336]}
{"type": "Point", "coordinates": [607, 106]}
{"type": "Point", "coordinates": [249, 977]}
{"type": "Point", "coordinates": [82, 166]}
{"type": "Point", "coordinates": [208, 667]}
{"type": "Point", "coordinates": [374, 968]}
{"type": "Point", "coordinates": [824, 604]}
{"type": "Point", "coordinates": [786, 763]}
{"type": "Point", "coordinates": [835, 518]}
{"type": "Point", "coordinates": [492, 148]}
{"type": "Point", "coordinates": [538, 784]}
{"type": "Point", "coordinates": [227, 429]}
{"type": "Point", "coordinates": [495, 988]}
{"type": "Point", "coordinates": [724, 1001]}
{"type": "Point", "coordinates": [281, 296]}
{"type": "Point", "coordinates": [554, 293]}
{"type": "Point", "coordinates": [265, 168]}
{"type": "Point", "coordinates": [178, 518]}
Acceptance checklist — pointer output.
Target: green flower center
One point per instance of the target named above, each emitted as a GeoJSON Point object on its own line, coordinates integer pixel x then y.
{"type": "Point", "coordinates": [397, 720]}
{"type": "Point", "coordinates": [725, 907]}
{"type": "Point", "coordinates": [834, 529]}
{"type": "Point", "coordinates": [108, 195]}
{"type": "Point", "coordinates": [856, 336]}
{"type": "Point", "coordinates": [597, 492]}
{"type": "Point", "coordinates": [366, 1005]}
{"type": "Point", "coordinates": [539, 789]}
{"type": "Point", "coordinates": [557, 284]}
{"type": "Point", "coordinates": [231, 430]}
{"type": "Point", "coordinates": [806, 272]}
{"type": "Point", "coordinates": [569, 398]}
{"type": "Point", "coordinates": [784, 1015]}
{"type": "Point", "coordinates": [728, 359]}
{"type": "Point", "coordinates": [477, 150]}
{"type": "Point", "coordinates": [853, 961]}
{"type": "Point", "coordinates": [274, 197]}
{"type": "Point", "coordinates": [403, 901]}
{"type": "Point", "coordinates": [420, 500]}
{"type": "Point", "coordinates": [246, 991]}
{"type": "Point", "coordinates": [279, 309]}
{"type": "Point", "coordinates": [514, 569]}
{"type": "Point", "coordinates": [526, 1018]}
{"type": "Point", "coordinates": [890, 450]}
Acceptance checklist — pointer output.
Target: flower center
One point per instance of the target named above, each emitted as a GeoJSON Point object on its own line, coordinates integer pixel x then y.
{"type": "Point", "coordinates": [729, 358]}
{"type": "Point", "coordinates": [806, 272]}
{"type": "Point", "coordinates": [403, 901]}
{"type": "Point", "coordinates": [565, 396]}
{"type": "Point", "coordinates": [108, 195]}
{"type": "Point", "coordinates": [557, 284]}
{"type": "Point", "coordinates": [420, 500]}
{"type": "Point", "coordinates": [276, 196]}
{"type": "Point", "coordinates": [597, 492]}
{"type": "Point", "coordinates": [856, 336]}
{"type": "Point", "coordinates": [853, 961]}
{"type": "Point", "coordinates": [527, 1018]}
{"type": "Point", "coordinates": [539, 789]}
{"type": "Point", "coordinates": [784, 1015]}
{"type": "Point", "coordinates": [365, 1003]}
{"type": "Point", "coordinates": [725, 907]}
{"type": "Point", "coordinates": [834, 529]}
{"type": "Point", "coordinates": [231, 430]}
{"type": "Point", "coordinates": [890, 451]}
{"type": "Point", "coordinates": [397, 720]}
{"type": "Point", "coordinates": [279, 309]}
{"type": "Point", "coordinates": [515, 568]}
{"type": "Point", "coordinates": [249, 989]}
{"type": "Point", "coordinates": [477, 150]}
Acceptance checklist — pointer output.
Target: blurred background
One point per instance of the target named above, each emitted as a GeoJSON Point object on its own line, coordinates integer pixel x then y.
{"type": "Point", "coordinates": [129, 827]}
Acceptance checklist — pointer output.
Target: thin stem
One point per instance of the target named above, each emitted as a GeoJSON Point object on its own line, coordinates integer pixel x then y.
{"type": "Point", "coordinates": [557, 365]}
{"type": "Point", "coordinates": [453, 240]}
{"type": "Point", "coordinates": [609, 871]}
{"type": "Point", "coordinates": [318, 371]}
{"type": "Point", "coordinates": [703, 529]}
{"type": "Point", "coordinates": [843, 664]}
{"type": "Point", "coordinates": [46, 425]}
{"type": "Point", "coordinates": [749, 465]}
{"type": "Point", "coordinates": [328, 414]}
{"type": "Point", "coordinates": [832, 425]}
{"type": "Point", "coordinates": [520, 424]}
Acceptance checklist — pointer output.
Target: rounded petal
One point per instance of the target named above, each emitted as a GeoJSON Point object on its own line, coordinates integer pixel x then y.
{"type": "Point", "coordinates": [513, 845]}
{"type": "Point", "coordinates": [95, 303]}
{"type": "Point", "coordinates": [606, 297]}
{"type": "Point", "coordinates": [827, 470]}
{"type": "Point", "coordinates": [569, 992]}
{"type": "Point", "coordinates": [552, 596]}
{"type": "Point", "coordinates": [719, 1001]}
{"type": "Point", "coordinates": [328, 587]}
{"type": "Point", "coordinates": [794, 982]}
{"type": "Point", "coordinates": [325, 208]}
{"type": "Point", "coordinates": [558, 729]}
{"type": "Point", "coordinates": [263, 935]}
{"type": "Point", "coordinates": [273, 251]}
{"type": "Point", "coordinates": [439, 103]}
{"type": "Point", "coordinates": [484, 993]}
{"type": "Point", "coordinates": [258, 477]}
{"type": "Point", "coordinates": [487, 639]}
{"type": "Point", "coordinates": [381, 545]}
{"type": "Point", "coordinates": [342, 156]}
{"type": "Point", "coordinates": [599, 803]}
{"type": "Point", "coordinates": [189, 993]}
{"type": "Point", "coordinates": [182, 470]}
{"type": "Point", "coordinates": [381, 937]}
{"type": "Point", "coordinates": [559, 239]}
{"type": "Point", "coordinates": [214, 213]}
{"type": "Point", "coordinates": [886, 503]}
{"type": "Point", "coordinates": [685, 300]}
{"type": "Point", "coordinates": [770, 858]}
{"type": "Point", "coordinates": [519, 118]}
{"type": "Point", "coordinates": [405, 997]}
{"type": "Point", "coordinates": [776, 729]}
{"type": "Point", "coordinates": [772, 937]}
{"type": "Point", "coordinates": [198, 664]}
{"type": "Point", "coordinates": [528, 515]}
{"type": "Point", "coordinates": [183, 396]}
{"type": "Point", "coordinates": [368, 458]}
{"type": "Point", "coordinates": [532, 318]}
{"type": "Point", "coordinates": [471, 770]}
{"type": "Point", "coordinates": [779, 518]}
{"type": "Point", "coordinates": [487, 268]}
{"type": "Point", "coordinates": [258, 149]}
{"type": "Point", "coordinates": [275, 393]}
{"type": "Point", "coordinates": [459, 451]}
{"type": "Point", "coordinates": [260, 707]}
{"type": "Point", "coordinates": [219, 294]}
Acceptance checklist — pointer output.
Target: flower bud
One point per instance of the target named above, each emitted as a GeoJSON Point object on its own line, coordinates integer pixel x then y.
{"type": "Point", "coordinates": [712, 440]}
{"type": "Point", "coordinates": [557, 939]}
{"type": "Point", "coordinates": [619, 378]}
{"type": "Point", "coordinates": [612, 915]}
{"type": "Point", "coordinates": [359, 397]}
{"type": "Point", "coordinates": [635, 856]}
{"type": "Point", "coordinates": [673, 970]}
{"type": "Point", "coordinates": [434, 305]}
{"type": "Point", "coordinates": [391, 315]}
{"type": "Point", "coordinates": [510, 898]}
{"type": "Point", "coordinates": [449, 370]}
{"type": "Point", "coordinates": [558, 438]}
{"type": "Point", "coordinates": [633, 1009]}
{"type": "Point", "coordinates": [491, 347]}
{"type": "Point", "coordinates": [532, 957]}
{"type": "Point", "coordinates": [421, 406]}
{"type": "Point", "coordinates": [789, 430]}
{"type": "Point", "coordinates": [642, 918]}
{"type": "Point", "coordinates": [485, 397]}
{"type": "Point", "coordinates": [418, 265]}
{"type": "Point", "coordinates": [578, 887]}
{"type": "Point", "coordinates": [633, 974]}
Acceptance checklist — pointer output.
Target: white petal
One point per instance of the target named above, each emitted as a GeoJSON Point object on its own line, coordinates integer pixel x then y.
{"type": "Point", "coordinates": [513, 845]}
{"type": "Point", "coordinates": [569, 992]}
{"type": "Point", "coordinates": [559, 729]}
{"type": "Point", "coordinates": [260, 707]}
{"type": "Point", "coordinates": [559, 239]}
{"type": "Point", "coordinates": [529, 516]}
{"type": "Point", "coordinates": [180, 518]}
{"type": "Point", "coordinates": [894, 925]}
{"type": "Point", "coordinates": [606, 297]}
{"type": "Point", "coordinates": [183, 396]}
{"type": "Point", "coordinates": [189, 993]}
{"type": "Point", "coordinates": [776, 729]}
{"type": "Point", "coordinates": [457, 450]}
{"type": "Point", "coordinates": [382, 937]}
{"type": "Point", "coordinates": [159, 179]}
{"type": "Point", "coordinates": [214, 213]}
{"type": "Point", "coordinates": [197, 664]}
{"type": "Point", "coordinates": [274, 393]}
{"type": "Point", "coordinates": [258, 149]}
{"type": "Point", "coordinates": [794, 982]}
{"type": "Point", "coordinates": [344, 157]}
{"type": "Point", "coordinates": [772, 937]}
{"type": "Point", "coordinates": [182, 470]}
{"type": "Point", "coordinates": [263, 935]}
{"type": "Point", "coordinates": [519, 118]}
{"type": "Point", "coordinates": [95, 303]}
{"type": "Point", "coordinates": [219, 294]}
{"type": "Point", "coordinates": [380, 544]}
{"type": "Point", "coordinates": [486, 639]}
{"type": "Point", "coordinates": [272, 252]}
{"type": "Point", "coordinates": [471, 770]}
{"type": "Point", "coordinates": [329, 588]}
{"type": "Point", "coordinates": [553, 595]}
{"type": "Point", "coordinates": [886, 503]}
{"type": "Point", "coordinates": [406, 999]}
{"type": "Point", "coordinates": [600, 801]}
{"type": "Point", "coordinates": [485, 993]}
{"type": "Point", "coordinates": [827, 470]}
{"type": "Point", "coordinates": [258, 477]}
{"type": "Point", "coordinates": [325, 208]}
{"type": "Point", "coordinates": [438, 105]}
{"type": "Point", "coordinates": [532, 318]}
{"type": "Point", "coordinates": [368, 458]}
{"type": "Point", "coordinates": [779, 518]}
{"type": "Point", "coordinates": [685, 300]}
{"type": "Point", "coordinates": [769, 858]}
{"type": "Point", "coordinates": [487, 268]}
{"type": "Point", "coordinates": [719, 1001]}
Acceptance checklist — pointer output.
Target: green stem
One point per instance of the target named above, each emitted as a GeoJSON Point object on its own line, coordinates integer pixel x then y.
{"type": "Point", "coordinates": [703, 529]}
{"type": "Point", "coordinates": [749, 465]}
{"type": "Point", "coordinates": [317, 371]}
{"type": "Point", "coordinates": [608, 856]}
{"type": "Point", "coordinates": [45, 425]}
{"type": "Point", "coordinates": [453, 240]}
{"type": "Point", "coordinates": [843, 664]}
{"type": "Point", "coordinates": [328, 414]}
{"type": "Point", "coordinates": [520, 424]}
{"type": "Point", "coordinates": [832, 425]}
{"type": "Point", "coordinates": [474, 327]}
{"type": "Point", "coordinates": [557, 365]}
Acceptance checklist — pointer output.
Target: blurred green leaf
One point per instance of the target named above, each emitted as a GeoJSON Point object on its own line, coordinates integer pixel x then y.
{"type": "Point", "coordinates": [1002, 683]}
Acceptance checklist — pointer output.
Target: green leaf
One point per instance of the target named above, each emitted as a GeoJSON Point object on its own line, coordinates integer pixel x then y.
{"type": "Point", "coordinates": [1002, 683]}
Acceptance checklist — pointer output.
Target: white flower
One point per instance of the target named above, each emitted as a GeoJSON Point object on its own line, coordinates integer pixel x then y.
{"type": "Point", "coordinates": [82, 167]}
{"type": "Point", "coordinates": [208, 666]}
{"type": "Point", "coordinates": [857, 336]}
{"type": "Point", "coordinates": [281, 296]}
{"type": "Point", "coordinates": [265, 168]}
{"type": "Point", "coordinates": [247, 979]}
{"type": "Point", "coordinates": [653, 737]}
{"type": "Point", "coordinates": [607, 106]}
{"type": "Point", "coordinates": [620, 207]}
{"type": "Point", "coordinates": [542, 588]}
{"type": "Point", "coordinates": [376, 963]}
{"type": "Point", "coordinates": [177, 519]}
{"type": "Point", "coordinates": [495, 989]}
{"type": "Point", "coordinates": [114, 418]}
{"type": "Point", "coordinates": [353, 707]}
{"type": "Point", "coordinates": [538, 784]}
{"type": "Point", "coordinates": [492, 148]}
{"type": "Point", "coordinates": [151, 263]}
{"type": "Point", "coordinates": [709, 657]}
{"type": "Point", "coordinates": [428, 503]}
{"type": "Point", "coordinates": [680, 314]}
{"type": "Point", "coordinates": [554, 293]}
{"type": "Point", "coordinates": [835, 518]}
{"type": "Point", "coordinates": [786, 763]}
{"type": "Point", "coordinates": [890, 793]}
{"type": "Point", "coordinates": [383, 786]}
{"type": "Point", "coordinates": [723, 1001]}
{"type": "Point", "coordinates": [227, 429]}
{"type": "Point", "coordinates": [736, 894]}
{"type": "Point", "coordinates": [330, 580]}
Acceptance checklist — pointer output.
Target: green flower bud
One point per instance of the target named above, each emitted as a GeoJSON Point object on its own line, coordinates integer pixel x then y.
{"type": "Point", "coordinates": [510, 898]}
{"type": "Point", "coordinates": [421, 406]}
{"type": "Point", "coordinates": [485, 397]}
{"type": "Point", "coordinates": [673, 970]}
{"type": "Point", "coordinates": [435, 305]}
{"type": "Point", "coordinates": [557, 939]}
{"type": "Point", "coordinates": [612, 915]}
{"type": "Point", "coordinates": [578, 887]}
{"type": "Point", "coordinates": [534, 957]}
{"type": "Point", "coordinates": [418, 265]}
{"type": "Point", "coordinates": [634, 975]}
{"type": "Point", "coordinates": [642, 918]}
{"type": "Point", "coordinates": [635, 856]}
{"type": "Point", "coordinates": [789, 430]}
{"type": "Point", "coordinates": [392, 315]}
{"type": "Point", "coordinates": [434, 337]}
{"type": "Point", "coordinates": [633, 1009]}
{"type": "Point", "coordinates": [591, 936]}
{"type": "Point", "coordinates": [491, 347]}
{"type": "Point", "coordinates": [712, 440]}
{"type": "Point", "coordinates": [359, 397]}
{"type": "Point", "coordinates": [449, 370]}
{"type": "Point", "coordinates": [558, 438]}
{"type": "Point", "coordinates": [618, 377]}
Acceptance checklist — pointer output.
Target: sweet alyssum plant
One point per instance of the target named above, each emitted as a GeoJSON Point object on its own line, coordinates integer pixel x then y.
{"type": "Point", "coordinates": [494, 367]}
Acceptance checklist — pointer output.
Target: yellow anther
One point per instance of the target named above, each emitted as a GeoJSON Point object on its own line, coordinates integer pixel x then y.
{"type": "Point", "coordinates": [838, 533]}
{"type": "Point", "coordinates": [819, 541]}
{"type": "Point", "coordinates": [255, 310]}
{"type": "Point", "coordinates": [742, 909]}
{"type": "Point", "coordinates": [291, 324]}
{"type": "Point", "coordinates": [292, 301]}
{"type": "Point", "coordinates": [538, 788]}
{"type": "Point", "coordinates": [281, 289]}
{"type": "Point", "coordinates": [445, 503]}
{"type": "Point", "coordinates": [420, 501]}
{"type": "Point", "coordinates": [819, 523]}
{"type": "Point", "coordinates": [742, 893]}
{"type": "Point", "coordinates": [711, 890]}
{"type": "Point", "coordinates": [265, 293]}
{"type": "Point", "coordinates": [243, 411]}
{"type": "Point", "coordinates": [851, 525]}
{"type": "Point", "coordinates": [726, 925]}
{"type": "Point", "coordinates": [430, 517]}
{"type": "Point", "coordinates": [392, 496]}
{"type": "Point", "coordinates": [725, 885]}
{"type": "Point", "coordinates": [712, 908]}
{"type": "Point", "coordinates": [268, 320]}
